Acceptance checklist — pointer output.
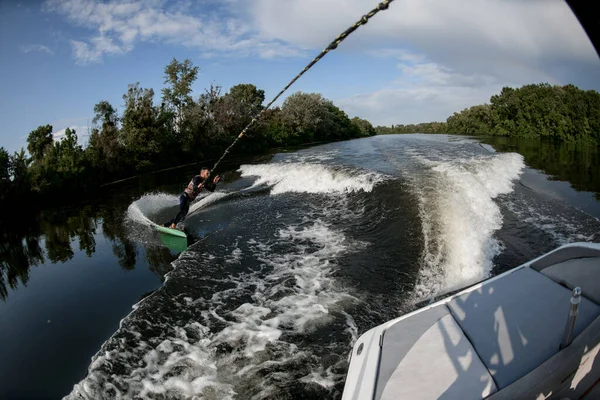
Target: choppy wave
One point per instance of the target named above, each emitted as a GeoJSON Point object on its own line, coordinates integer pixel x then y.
{"type": "Point", "coordinates": [218, 333]}
{"type": "Point", "coordinates": [214, 334]}
{"type": "Point", "coordinates": [304, 157]}
{"type": "Point", "coordinates": [208, 200]}
{"type": "Point", "coordinates": [267, 308]}
{"type": "Point", "coordinates": [141, 210]}
{"type": "Point", "coordinates": [311, 178]}
{"type": "Point", "coordinates": [563, 223]}
{"type": "Point", "coordinates": [148, 205]}
{"type": "Point", "coordinates": [459, 217]}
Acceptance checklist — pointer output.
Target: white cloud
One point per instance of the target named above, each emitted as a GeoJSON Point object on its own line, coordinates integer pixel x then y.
{"type": "Point", "coordinates": [89, 54]}
{"type": "Point", "coordinates": [448, 27]}
{"type": "Point", "coordinates": [503, 37]}
{"type": "Point", "coordinates": [118, 26]}
{"type": "Point", "coordinates": [415, 104]}
{"type": "Point", "coordinates": [80, 131]}
{"type": "Point", "coordinates": [36, 47]}
{"type": "Point", "coordinates": [425, 92]}
{"type": "Point", "coordinates": [450, 54]}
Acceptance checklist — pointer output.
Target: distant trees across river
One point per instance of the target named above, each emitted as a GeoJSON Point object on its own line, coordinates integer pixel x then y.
{"type": "Point", "coordinates": [564, 113]}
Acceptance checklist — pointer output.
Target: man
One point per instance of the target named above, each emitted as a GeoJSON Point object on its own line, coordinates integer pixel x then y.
{"type": "Point", "coordinates": [190, 193]}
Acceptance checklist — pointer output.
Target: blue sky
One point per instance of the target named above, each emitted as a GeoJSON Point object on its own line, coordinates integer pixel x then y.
{"type": "Point", "coordinates": [418, 61]}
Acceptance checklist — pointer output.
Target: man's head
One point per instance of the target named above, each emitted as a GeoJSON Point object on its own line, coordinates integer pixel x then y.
{"type": "Point", "coordinates": [204, 172]}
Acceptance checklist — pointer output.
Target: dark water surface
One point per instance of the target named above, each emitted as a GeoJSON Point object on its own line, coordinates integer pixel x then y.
{"type": "Point", "coordinates": [294, 256]}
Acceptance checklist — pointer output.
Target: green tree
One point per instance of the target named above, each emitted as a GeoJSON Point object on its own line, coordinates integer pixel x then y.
{"type": "Point", "coordinates": [69, 155]}
{"type": "Point", "coordinates": [38, 141]}
{"type": "Point", "coordinates": [477, 120]}
{"type": "Point", "coordinates": [310, 116]}
{"type": "Point", "coordinates": [303, 113]}
{"type": "Point", "coordinates": [61, 167]}
{"type": "Point", "coordinates": [104, 148]}
{"type": "Point", "coordinates": [276, 130]}
{"type": "Point", "coordinates": [564, 113]}
{"type": "Point", "coordinates": [335, 124]}
{"type": "Point", "coordinates": [180, 130]}
{"type": "Point", "coordinates": [533, 111]}
{"type": "Point", "coordinates": [19, 170]}
{"type": "Point", "coordinates": [365, 127]}
{"type": "Point", "coordinates": [237, 108]}
{"type": "Point", "coordinates": [141, 128]}
{"type": "Point", "coordinates": [105, 115]}
{"type": "Point", "coordinates": [200, 126]}
{"type": "Point", "coordinates": [179, 76]}
{"type": "Point", "coordinates": [424, 127]}
{"type": "Point", "coordinates": [5, 168]}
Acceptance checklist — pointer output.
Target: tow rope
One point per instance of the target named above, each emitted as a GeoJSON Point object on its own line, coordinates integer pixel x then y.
{"type": "Point", "coordinates": [332, 46]}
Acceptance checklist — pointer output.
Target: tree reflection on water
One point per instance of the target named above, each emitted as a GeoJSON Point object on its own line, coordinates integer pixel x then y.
{"type": "Point", "coordinates": [54, 236]}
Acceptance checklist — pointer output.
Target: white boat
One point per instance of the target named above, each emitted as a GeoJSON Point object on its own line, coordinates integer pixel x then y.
{"type": "Point", "coordinates": [530, 333]}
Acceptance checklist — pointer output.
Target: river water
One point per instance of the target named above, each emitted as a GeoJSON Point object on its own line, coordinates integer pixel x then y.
{"type": "Point", "coordinates": [293, 257]}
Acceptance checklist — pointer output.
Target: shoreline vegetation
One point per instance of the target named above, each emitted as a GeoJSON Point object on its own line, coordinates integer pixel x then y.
{"type": "Point", "coordinates": [146, 137]}
{"type": "Point", "coordinates": [183, 130]}
{"type": "Point", "coordinates": [537, 111]}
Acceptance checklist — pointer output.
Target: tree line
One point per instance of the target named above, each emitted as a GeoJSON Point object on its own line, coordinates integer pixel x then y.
{"type": "Point", "coordinates": [564, 113]}
{"type": "Point", "coordinates": [424, 127]}
{"type": "Point", "coordinates": [181, 129]}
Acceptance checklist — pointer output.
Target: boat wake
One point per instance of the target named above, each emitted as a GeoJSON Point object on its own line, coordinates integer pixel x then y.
{"type": "Point", "coordinates": [154, 204]}
{"type": "Point", "coordinates": [303, 257]}
{"type": "Point", "coordinates": [150, 205]}
{"type": "Point", "coordinates": [311, 178]}
{"type": "Point", "coordinates": [233, 317]}
{"type": "Point", "coordinates": [459, 213]}
{"type": "Point", "coordinates": [276, 178]}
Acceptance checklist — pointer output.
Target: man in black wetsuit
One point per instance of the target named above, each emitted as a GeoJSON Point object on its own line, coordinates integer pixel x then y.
{"type": "Point", "coordinates": [190, 193]}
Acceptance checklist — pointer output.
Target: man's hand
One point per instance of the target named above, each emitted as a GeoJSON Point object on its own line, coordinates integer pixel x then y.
{"type": "Point", "coordinates": [200, 186]}
{"type": "Point", "coordinates": [216, 179]}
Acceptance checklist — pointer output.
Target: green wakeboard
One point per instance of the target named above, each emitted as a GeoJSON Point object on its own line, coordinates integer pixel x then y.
{"type": "Point", "coordinates": [173, 232]}
{"type": "Point", "coordinates": [174, 239]}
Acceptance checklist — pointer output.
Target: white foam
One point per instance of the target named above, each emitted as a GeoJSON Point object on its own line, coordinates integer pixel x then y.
{"type": "Point", "coordinates": [351, 329]}
{"type": "Point", "coordinates": [310, 157]}
{"type": "Point", "coordinates": [310, 178]}
{"type": "Point", "coordinates": [315, 291]}
{"type": "Point", "coordinates": [150, 204]}
{"type": "Point", "coordinates": [192, 360]}
{"type": "Point", "coordinates": [560, 221]}
{"type": "Point", "coordinates": [322, 377]}
{"type": "Point", "coordinates": [459, 217]}
{"type": "Point", "coordinates": [208, 200]}
{"type": "Point", "coordinates": [252, 331]}
{"type": "Point", "coordinates": [278, 306]}
{"type": "Point", "coordinates": [291, 293]}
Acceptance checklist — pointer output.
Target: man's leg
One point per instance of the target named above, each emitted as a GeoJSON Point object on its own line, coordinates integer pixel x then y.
{"type": "Point", "coordinates": [184, 207]}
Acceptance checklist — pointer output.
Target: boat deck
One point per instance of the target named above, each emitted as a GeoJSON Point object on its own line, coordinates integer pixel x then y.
{"type": "Point", "coordinates": [498, 340]}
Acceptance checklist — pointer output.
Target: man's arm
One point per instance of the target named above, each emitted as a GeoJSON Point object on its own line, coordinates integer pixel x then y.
{"type": "Point", "coordinates": [211, 186]}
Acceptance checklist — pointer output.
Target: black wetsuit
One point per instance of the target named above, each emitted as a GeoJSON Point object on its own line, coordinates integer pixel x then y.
{"type": "Point", "coordinates": [189, 195]}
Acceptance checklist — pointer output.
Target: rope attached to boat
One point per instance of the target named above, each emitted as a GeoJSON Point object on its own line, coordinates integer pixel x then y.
{"type": "Point", "coordinates": [332, 46]}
